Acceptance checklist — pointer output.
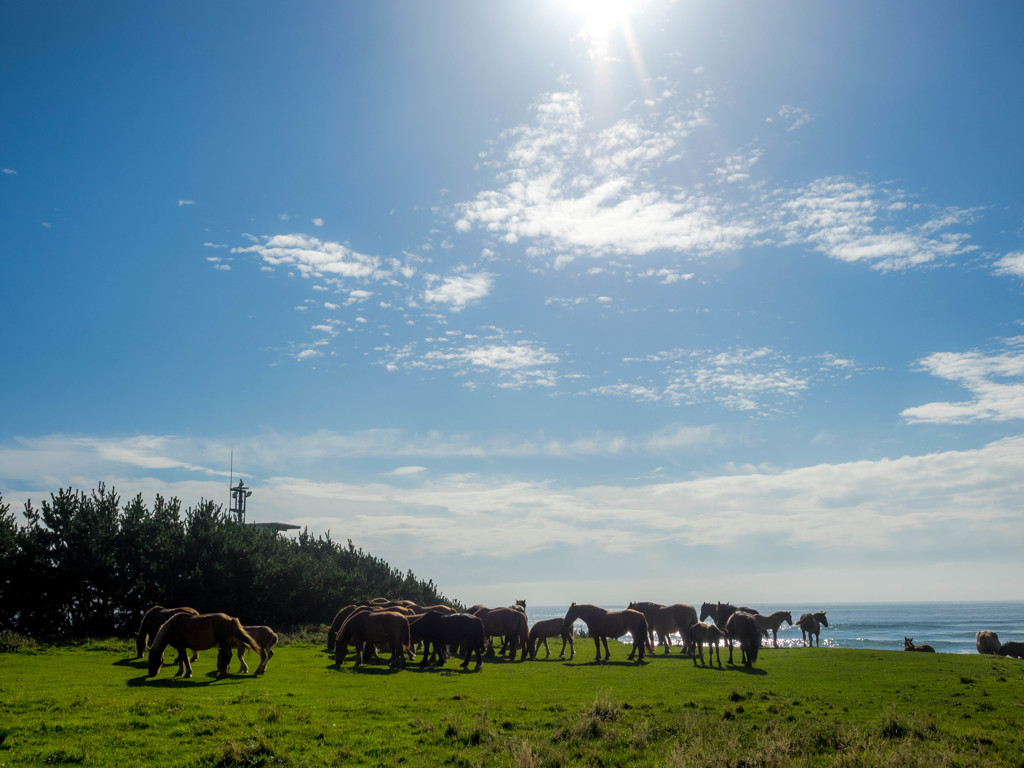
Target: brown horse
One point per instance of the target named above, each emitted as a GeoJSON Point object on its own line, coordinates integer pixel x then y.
{"type": "Point", "coordinates": [649, 610]}
{"type": "Point", "coordinates": [772, 622]}
{"type": "Point", "coordinates": [678, 617]}
{"type": "Point", "coordinates": [267, 639]}
{"type": "Point", "coordinates": [741, 627]}
{"type": "Point", "coordinates": [542, 630]}
{"type": "Point", "coordinates": [602, 624]}
{"type": "Point", "coordinates": [987, 641]}
{"type": "Point", "coordinates": [364, 629]}
{"type": "Point", "coordinates": [439, 631]}
{"type": "Point", "coordinates": [152, 621]}
{"type": "Point", "coordinates": [1013, 648]}
{"type": "Point", "coordinates": [810, 627]}
{"type": "Point", "coordinates": [511, 625]}
{"type": "Point", "coordinates": [908, 645]}
{"type": "Point", "coordinates": [339, 619]}
{"type": "Point", "coordinates": [702, 634]}
{"type": "Point", "coordinates": [183, 631]}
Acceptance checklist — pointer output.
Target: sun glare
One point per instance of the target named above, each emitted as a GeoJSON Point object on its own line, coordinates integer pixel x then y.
{"type": "Point", "coordinates": [601, 17]}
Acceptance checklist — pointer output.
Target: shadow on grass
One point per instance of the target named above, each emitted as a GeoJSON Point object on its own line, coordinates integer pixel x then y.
{"type": "Point", "coordinates": [182, 682]}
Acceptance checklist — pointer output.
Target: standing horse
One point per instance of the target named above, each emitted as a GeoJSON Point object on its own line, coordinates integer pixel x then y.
{"type": "Point", "coordinates": [511, 625]}
{"type": "Point", "coordinates": [542, 630]}
{"type": "Point", "coordinates": [741, 627]}
{"type": "Point", "coordinates": [908, 645]}
{"type": "Point", "coordinates": [772, 622]}
{"type": "Point", "coordinates": [602, 624]}
{"type": "Point", "coordinates": [440, 631]}
{"type": "Point", "coordinates": [702, 634]}
{"type": "Point", "coordinates": [649, 610]}
{"type": "Point", "coordinates": [810, 627]}
{"type": "Point", "coordinates": [987, 641]}
{"type": "Point", "coordinates": [151, 623]}
{"type": "Point", "coordinates": [369, 628]}
{"type": "Point", "coordinates": [267, 639]}
{"type": "Point", "coordinates": [183, 631]}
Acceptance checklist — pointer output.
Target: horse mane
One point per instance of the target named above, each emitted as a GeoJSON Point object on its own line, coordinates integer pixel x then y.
{"type": "Point", "coordinates": [160, 641]}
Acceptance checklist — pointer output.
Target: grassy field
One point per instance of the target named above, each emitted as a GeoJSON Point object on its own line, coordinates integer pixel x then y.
{"type": "Point", "coordinates": [93, 705]}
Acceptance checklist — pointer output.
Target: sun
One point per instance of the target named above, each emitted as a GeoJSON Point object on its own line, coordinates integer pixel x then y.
{"type": "Point", "coordinates": [601, 18]}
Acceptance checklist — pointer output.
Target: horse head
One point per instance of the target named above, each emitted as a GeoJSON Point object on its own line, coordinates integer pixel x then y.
{"type": "Point", "coordinates": [908, 643]}
{"type": "Point", "coordinates": [707, 610]}
{"type": "Point", "coordinates": [820, 616]}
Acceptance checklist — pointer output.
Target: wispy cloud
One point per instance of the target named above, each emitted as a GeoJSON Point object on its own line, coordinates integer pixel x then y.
{"type": "Point", "coordinates": [182, 203]}
{"type": "Point", "coordinates": [995, 381]}
{"type": "Point", "coordinates": [315, 258]}
{"type": "Point", "coordinates": [758, 380]}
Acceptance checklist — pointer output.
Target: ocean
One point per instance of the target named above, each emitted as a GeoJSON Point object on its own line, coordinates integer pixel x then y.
{"type": "Point", "coordinates": [947, 627]}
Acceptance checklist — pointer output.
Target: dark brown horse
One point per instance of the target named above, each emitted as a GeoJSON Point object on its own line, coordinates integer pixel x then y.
{"type": "Point", "coordinates": [602, 624]}
{"type": "Point", "coordinates": [810, 626]}
{"type": "Point", "coordinates": [649, 610]}
{"type": "Point", "coordinates": [365, 629]}
{"type": "Point", "coordinates": [339, 619]}
{"type": "Point", "coordinates": [151, 623]}
{"type": "Point", "coordinates": [741, 627]}
{"type": "Point", "coordinates": [908, 645]}
{"type": "Point", "coordinates": [702, 634]}
{"type": "Point", "coordinates": [183, 631]}
{"type": "Point", "coordinates": [1013, 648]}
{"type": "Point", "coordinates": [438, 632]}
{"type": "Point", "coordinates": [511, 625]}
{"type": "Point", "coordinates": [547, 628]}
{"type": "Point", "coordinates": [267, 639]}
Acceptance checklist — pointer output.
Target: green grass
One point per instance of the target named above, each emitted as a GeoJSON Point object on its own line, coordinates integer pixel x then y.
{"type": "Point", "coordinates": [92, 705]}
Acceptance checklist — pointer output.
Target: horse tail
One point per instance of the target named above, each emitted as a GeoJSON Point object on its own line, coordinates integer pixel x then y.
{"type": "Point", "coordinates": [240, 634]}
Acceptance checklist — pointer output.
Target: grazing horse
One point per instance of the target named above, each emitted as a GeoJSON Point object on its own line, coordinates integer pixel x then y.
{"type": "Point", "coordinates": [772, 622]}
{"type": "Point", "coordinates": [741, 627]}
{"type": "Point", "coordinates": [987, 642]}
{"type": "Point", "coordinates": [542, 630]}
{"type": "Point", "coordinates": [602, 624]}
{"type": "Point", "coordinates": [267, 639]}
{"type": "Point", "coordinates": [908, 645]}
{"type": "Point", "coordinates": [511, 625]}
{"type": "Point", "coordinates": [810, 627]}
{"type": "Point", "coordinates": [650, 611]}
{"type": "Point", "coordinates": [152, 621]}
{"type": "Point", "coordinates": [1013, 648]}
{"type": "Point", "coordinates": [365, 629]}
{"type": "Point", "coordinates": [439, 608]}
{"type": "Point", "coordinates": [438, 631]}
{"type": "Point", "coordinates": [702, 634]}
{"type": "Point", "coordinates": [183, 631]}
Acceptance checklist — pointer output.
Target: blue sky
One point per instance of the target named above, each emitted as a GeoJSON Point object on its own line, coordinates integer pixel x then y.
{"type": "Point", "coordinates": [545, 300]}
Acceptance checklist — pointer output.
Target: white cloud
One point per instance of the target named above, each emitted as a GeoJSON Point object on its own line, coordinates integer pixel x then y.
{"type": "Point", "coordinates": [1010, 264]}
{"type": "Point", "coordinates": [313, 258]}
{"type": "Point", "coordinates": [317, 222]}
{"type": "Point", "coordinates": [740, 379]}
{"type": "Point", "coordinates": [460, 290]}
{"type": "Point", "coordinates": [919, 509]}
{"type": "Point", "coordinates": [994, 380]}
{"type": "Point", "coordinates": [8, 171]}
{"type": "Point", "coordinates": [855, 222]}
{"type": "Point", "coordinates": [186, 202]}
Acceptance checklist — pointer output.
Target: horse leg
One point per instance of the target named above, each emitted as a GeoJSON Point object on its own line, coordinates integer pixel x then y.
{"type": "Point", "coordinates": [607, 653]}
{"type": "Point", "coordinates": [265, 654]}
{"type": "Point", "coordinates": [243, 668]}
{"type": "Point", "coordinates": [223, 659]}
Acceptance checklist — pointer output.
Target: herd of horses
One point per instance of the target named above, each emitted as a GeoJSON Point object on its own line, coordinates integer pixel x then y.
{"type": "Point", "coordinates": [400, 626]}
{"type": "Point", "coordinates": [439, 631]}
